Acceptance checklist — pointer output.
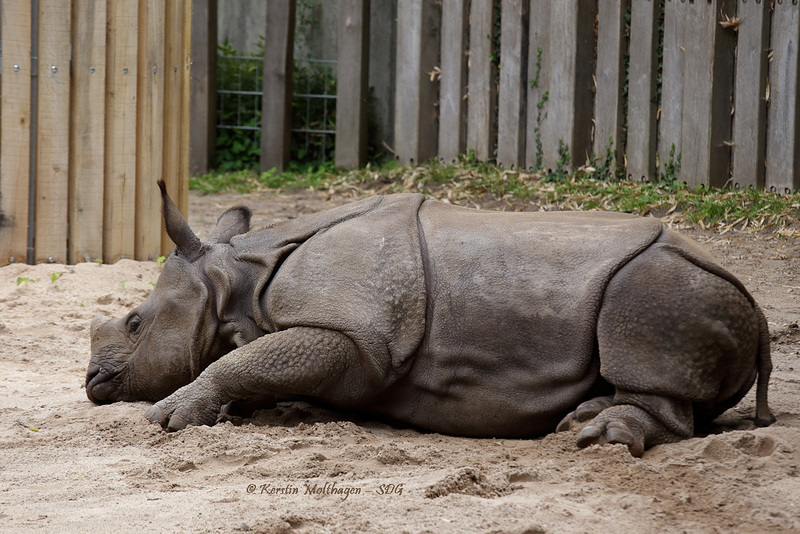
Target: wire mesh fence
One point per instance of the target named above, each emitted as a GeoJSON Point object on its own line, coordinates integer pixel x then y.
{"type": "Point", "coordinates": [314, 110]}
{"type": "Point", "coordinates": [239, 95]}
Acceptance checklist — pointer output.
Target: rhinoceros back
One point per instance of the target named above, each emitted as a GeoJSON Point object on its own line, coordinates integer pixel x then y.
{"type": "Point", "coordinates": [512, 305]}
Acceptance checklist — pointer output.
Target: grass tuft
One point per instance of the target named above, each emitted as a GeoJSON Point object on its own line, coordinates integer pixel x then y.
{"type": "Point", "coordinates": [479, 184]}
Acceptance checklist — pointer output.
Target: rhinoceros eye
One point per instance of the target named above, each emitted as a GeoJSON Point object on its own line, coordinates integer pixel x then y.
{"type": "Point", "coordinates": [134, 323]}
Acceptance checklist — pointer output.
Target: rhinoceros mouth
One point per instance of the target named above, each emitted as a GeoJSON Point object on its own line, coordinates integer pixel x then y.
{"type": "Point", "coordinates": [101, 386]}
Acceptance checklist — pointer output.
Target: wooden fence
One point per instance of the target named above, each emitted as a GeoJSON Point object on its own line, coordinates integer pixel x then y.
{"type": "Point", "coordinates": [94, 106]}
{"type": "Point", "coordinates": [710, 84]}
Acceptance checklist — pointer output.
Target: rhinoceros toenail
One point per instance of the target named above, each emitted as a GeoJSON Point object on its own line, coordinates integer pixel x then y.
{"type": "Point", "coordinates": [176, 422]}
{"type": "Point", "coordinates": [154, 414]}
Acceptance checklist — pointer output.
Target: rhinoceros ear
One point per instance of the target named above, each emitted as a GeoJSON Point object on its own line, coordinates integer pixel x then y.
{"type": "Point", "coordinates": [233, 222]}
{"type": "Point", "coordinates": [178, 229]}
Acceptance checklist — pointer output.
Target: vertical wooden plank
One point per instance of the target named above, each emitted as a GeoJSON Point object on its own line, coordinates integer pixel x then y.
{"type": "Point", "coordinates": [642, 106]}
{"type": "Point", "coordinates": [481, 130]}
{"type": "Point", "coordinates": [87, 130]}
{"type": "Point", "coordinates": [610, 77]}
{"type": "Point", "coordinates": [750, 116]}
{"type": "Point", "coordinates": [173, 63]}
{"type": "Point", "coordinates": [185, 67]}
{"type": "Point", "coordinates": [203, 127]}
{"type": "Point", "coordinates": [15, 110]}
{"type": "Point", "coordinates": [706, 129]}
{"type": "Point", "coordinates": [120, 161]}
{"type": "Point", "coordinates": [453, 85]}
{"type": "Point", "coordinates": [568, 115]}
{"type": "Point", "coordinates": [353, 66]}
{"type": "Point", "coordinates": [539, 80]}
{"type": "Point", "coordinates": [149, 129]}
{"type": "Point", "coordinates": [52, 135]}
{"type": "Point", "coordinates": [513, 80]}
{"type": "Point", "coordinates": [276, 109]}
{"type": "Point", "coordinates": [417, 51]}
{"type": "Point", "coordinates": [783, 136]}
{"type": "Point", "coordinates": [671, 112]}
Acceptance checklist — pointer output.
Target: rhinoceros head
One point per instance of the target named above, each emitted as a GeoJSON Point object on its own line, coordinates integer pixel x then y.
{"type": "Point", "coordinates": [171, 337]}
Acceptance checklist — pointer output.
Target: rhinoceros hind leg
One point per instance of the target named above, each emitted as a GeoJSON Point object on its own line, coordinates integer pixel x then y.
{"type": "Point", "coordinates": [627, 424]}
{"type": "Point", "coordinates": [585, 412]}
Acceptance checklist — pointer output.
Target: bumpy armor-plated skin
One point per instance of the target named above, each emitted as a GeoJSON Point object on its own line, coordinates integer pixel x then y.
{"type": "Point", "coordinates": [460, 321]}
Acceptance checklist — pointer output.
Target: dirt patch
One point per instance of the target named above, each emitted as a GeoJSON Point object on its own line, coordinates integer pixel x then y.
{"type": "Point", "coordinates": [68, 465]}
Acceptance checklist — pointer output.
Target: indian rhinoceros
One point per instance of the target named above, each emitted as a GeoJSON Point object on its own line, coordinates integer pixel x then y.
{"type": "Point", "coordinates": [455, 320]}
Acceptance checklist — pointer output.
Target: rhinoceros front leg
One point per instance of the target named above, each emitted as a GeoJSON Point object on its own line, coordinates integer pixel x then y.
{"type": "Point", "coordinates": [303, 361]}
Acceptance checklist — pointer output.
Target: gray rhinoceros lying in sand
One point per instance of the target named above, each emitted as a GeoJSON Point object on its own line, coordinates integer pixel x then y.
{"type": "Point", "coordinates": [458, 321]}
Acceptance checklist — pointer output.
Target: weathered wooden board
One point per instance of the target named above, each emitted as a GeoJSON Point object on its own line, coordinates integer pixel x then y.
{"type": "Point", "coordinates": [416, 125]}
{"type": "Point", "coordinates": [149, 129]}
{"type": "Point", "coordinates": [173, 63]}
{"type": "Point", "coordinates": [276, 109]}
{"type": "Point", "coordinates": [671, 112]}
{"type": "Point", "coordinates": [119, 214]}
{"type": "Point", "coordinates": [783, 117]}
{"type": "Point", "coordinates": [186, 108]}
{"type": "Point", "coordinates": [203, 120]}
{"type": "Point", "coordinates": [481, 130]}
{"type": "Point", "coordinates": [538, 80]}
{"type": "Point", "coordinates": [353, 67]}
{"type": "Point", "coordinates": [610, 77]}
{"type": "Point", "coordinates": [15, 110]}
{"type": "Point", "coordinates": [706, 130]}
{"type": "Point", "coordinates": [453, 85]}
{"type": "Point", "coordinates": [567, 121]}
{"type": "Point", "coordinates": [750, 105]}
{"type": "Point", "coordinates": [52, 135]}
{"type": "Point", "coordinates": [513, 80]}
{"type": "Point", "coordinates": [642, 90]}
{"type": "Point", "coordinates": [87, 130]}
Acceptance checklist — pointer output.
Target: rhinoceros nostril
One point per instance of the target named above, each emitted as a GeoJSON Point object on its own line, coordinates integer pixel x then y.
{"type": "Point", "coordinates": [98, 388]}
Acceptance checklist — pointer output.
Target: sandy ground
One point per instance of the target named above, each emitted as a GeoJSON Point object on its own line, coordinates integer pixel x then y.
{"type": "Point", "coordinates": [67, 465]}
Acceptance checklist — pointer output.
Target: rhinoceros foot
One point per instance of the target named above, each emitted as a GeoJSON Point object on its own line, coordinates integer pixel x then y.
{"type": "Point", "coordinates": [584, 413]}
{"type": "Point", "coordinates": [190, 405]}
{"type": "Point", "coordinates": [628, 425]}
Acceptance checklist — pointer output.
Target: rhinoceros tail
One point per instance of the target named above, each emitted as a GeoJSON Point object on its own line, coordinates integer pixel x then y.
{"type": "Point", "coordinates": [763, 415]}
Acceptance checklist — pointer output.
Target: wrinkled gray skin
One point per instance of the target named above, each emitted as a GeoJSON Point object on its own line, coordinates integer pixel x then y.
{"type": "Point", "coordinates": [458, 321]}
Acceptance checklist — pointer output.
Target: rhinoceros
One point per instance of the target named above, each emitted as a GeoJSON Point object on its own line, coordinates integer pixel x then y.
{"type": "Point", "coordinates": [454, 320]}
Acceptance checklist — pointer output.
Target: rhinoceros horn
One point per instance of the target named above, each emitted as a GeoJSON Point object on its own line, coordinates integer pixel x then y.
{"type": "Point", "coordinates": [188, 244]}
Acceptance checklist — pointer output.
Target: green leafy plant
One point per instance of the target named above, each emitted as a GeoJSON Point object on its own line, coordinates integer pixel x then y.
{"type": "Point", "coordinates": [672, 167]}
{"type": "Point", "coordinates": [24, 280]}
{"type": "Point", "coordinates": [605, 167]}
{"type": "Point", "coordinates": [55, 276]}
{"type": "Point", "coordinates": [560, 172]}
{"type": "Point", "coordinates": [537, 130]}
